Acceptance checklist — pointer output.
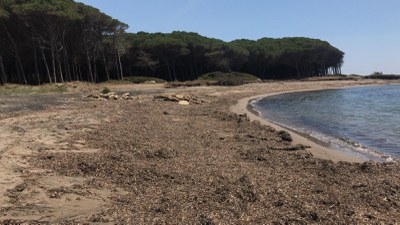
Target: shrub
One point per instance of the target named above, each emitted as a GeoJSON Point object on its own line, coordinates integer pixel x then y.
{"type": "Point", "coordinates": [105, 90]}
{"type": "Point", "coordinates": [384, 76]}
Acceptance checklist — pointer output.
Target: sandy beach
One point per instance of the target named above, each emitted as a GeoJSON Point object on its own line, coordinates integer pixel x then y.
{"type": "Point", "coordinates": [76, 160]}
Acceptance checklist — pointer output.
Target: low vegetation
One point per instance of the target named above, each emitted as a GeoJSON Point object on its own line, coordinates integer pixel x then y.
{"type": "Point", "coordinates": [229, 79]}
{"type": "Point", "coordinates": [12, 89]}
{"type": "Point", "coordinates": [217, 79]}
{"type": "Point", "coordinates": [105, 90]}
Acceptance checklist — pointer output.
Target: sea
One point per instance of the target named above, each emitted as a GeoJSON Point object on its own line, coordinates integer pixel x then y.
{"type": "Point", "coordinates": [361, 120]}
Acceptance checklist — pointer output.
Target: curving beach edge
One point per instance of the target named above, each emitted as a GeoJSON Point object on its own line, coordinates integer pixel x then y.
{"type": "Point", "coordinates": [318, 150]}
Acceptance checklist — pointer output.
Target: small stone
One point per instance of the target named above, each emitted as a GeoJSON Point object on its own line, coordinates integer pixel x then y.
{"type": "Point", "coordinates": [184, 103]}
{"type": "Point", "coordinates": [180, 96]}
{"type": "Point", "coordinates": [314, 216]}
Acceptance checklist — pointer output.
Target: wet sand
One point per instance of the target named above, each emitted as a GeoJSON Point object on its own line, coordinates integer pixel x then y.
{"type": "Point", "coordinates": [319, 150]}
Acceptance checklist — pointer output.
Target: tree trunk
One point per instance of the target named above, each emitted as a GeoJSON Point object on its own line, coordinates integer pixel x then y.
{"type": "Point", "coordinates": [116, 63]}
{"type": "Point", "coordinates": [3, 77]}
{"type": "Point", "coordinates": [66, 66]}
{"type": "Point", "coordinates": [89, 66]}
{"type": "Point", "coordinates": [22, 70]}
{"type": "Point", "coordinates": [96, 79]}
{"type": "Point", "coordinates": [169, 72]}
{"type": "Point", "coordinates": [173, 71]}
{"type": "Point", "coordinates": [46, 64]}
{"type": "Point", "coordinates": [297, 69]}
{"type": "Point", "coordinates": [16, 54]}
{"type": "Point", "coordinates": [73, 75]}
{"type": "Point", "coordinates": [120, 66]}
{"type": "Point", "coordinates": [105, 66]}
{"type": "Point", "coordinates": [36, 65]}
{"type": "Point", "coordinates": [53, 61]}
{"type": "Point", "coordinates": [79, 72]}
{"type": "Point", "coordinates": [60, 68]}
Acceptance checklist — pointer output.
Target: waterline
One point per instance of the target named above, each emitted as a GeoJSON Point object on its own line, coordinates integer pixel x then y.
{"type": "Point", "coordinates": [341, 118]}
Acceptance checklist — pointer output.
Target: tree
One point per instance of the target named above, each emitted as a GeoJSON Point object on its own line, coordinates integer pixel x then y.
{"type": "Point", "coordinates": [60, 40]}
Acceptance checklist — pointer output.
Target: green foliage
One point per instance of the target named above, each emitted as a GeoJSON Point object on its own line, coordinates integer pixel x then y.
{"type": "Point", "coordinates": [29, 89]}
{"type": "Point", "coordinates": [105, 90]}
{"type": "Point", "coordinates": [45, 41]}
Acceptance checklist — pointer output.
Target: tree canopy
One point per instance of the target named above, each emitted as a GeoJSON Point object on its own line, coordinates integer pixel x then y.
{"type": "Point", "coordinates": [45, 41]}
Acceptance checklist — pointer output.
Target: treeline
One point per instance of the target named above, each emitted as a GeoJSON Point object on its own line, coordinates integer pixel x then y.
{"type": "Point", "coordinates": [58, 40]}
{"type": "Point", "coordinates": [45, 41]}
{"type": "Point", "coordinates": [183, 56]}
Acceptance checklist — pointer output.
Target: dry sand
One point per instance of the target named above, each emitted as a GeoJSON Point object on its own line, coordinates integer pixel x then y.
{"type": "Point", "coordinates": [148, 161]}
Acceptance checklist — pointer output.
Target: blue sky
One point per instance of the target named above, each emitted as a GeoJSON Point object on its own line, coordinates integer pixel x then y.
{"type": "Point", "coordinates": [368, 31]}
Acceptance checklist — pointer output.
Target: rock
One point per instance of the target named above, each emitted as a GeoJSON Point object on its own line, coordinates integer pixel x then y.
{"type": "Point", "coordinates": [184, 103]}
{"type": "Point", "coordinates": [150, 82]}
{"type": "Point", "coordinates": [180, 96]}
{"type": "Point", "coordinates": [126, 96]}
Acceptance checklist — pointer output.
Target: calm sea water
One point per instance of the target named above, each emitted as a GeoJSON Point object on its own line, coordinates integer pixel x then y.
{"type": "Point", "coordinates": [363, 119]}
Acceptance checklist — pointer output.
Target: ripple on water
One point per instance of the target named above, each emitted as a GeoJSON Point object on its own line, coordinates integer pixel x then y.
{"type": "Point", "coordinates": [362, 119]}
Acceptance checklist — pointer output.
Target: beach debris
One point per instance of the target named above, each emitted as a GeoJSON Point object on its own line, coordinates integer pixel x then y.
{"type": "Point", "coordinates": [110, 96]}
{"type": "Point", "coordinates": [314, 216]}
{"type": "Point", "coordinates": [181, 99]}
{"type": "Point", "coordinates": [291, 148]}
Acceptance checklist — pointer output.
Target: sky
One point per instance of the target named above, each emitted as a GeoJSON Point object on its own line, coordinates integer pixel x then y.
{"type": "Point", "coordinates": [368, 31]}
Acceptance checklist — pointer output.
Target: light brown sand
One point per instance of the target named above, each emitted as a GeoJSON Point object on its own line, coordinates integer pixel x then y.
{"type": "Point", "coordinates": [113, 162]}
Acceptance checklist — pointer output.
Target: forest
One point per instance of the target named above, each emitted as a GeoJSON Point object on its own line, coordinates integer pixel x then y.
{"type": "Point", "coordinates": [51, 41]}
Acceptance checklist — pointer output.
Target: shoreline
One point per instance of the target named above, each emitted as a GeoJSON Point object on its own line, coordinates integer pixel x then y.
{"type": "Point", "coordinates": [317, 148]}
